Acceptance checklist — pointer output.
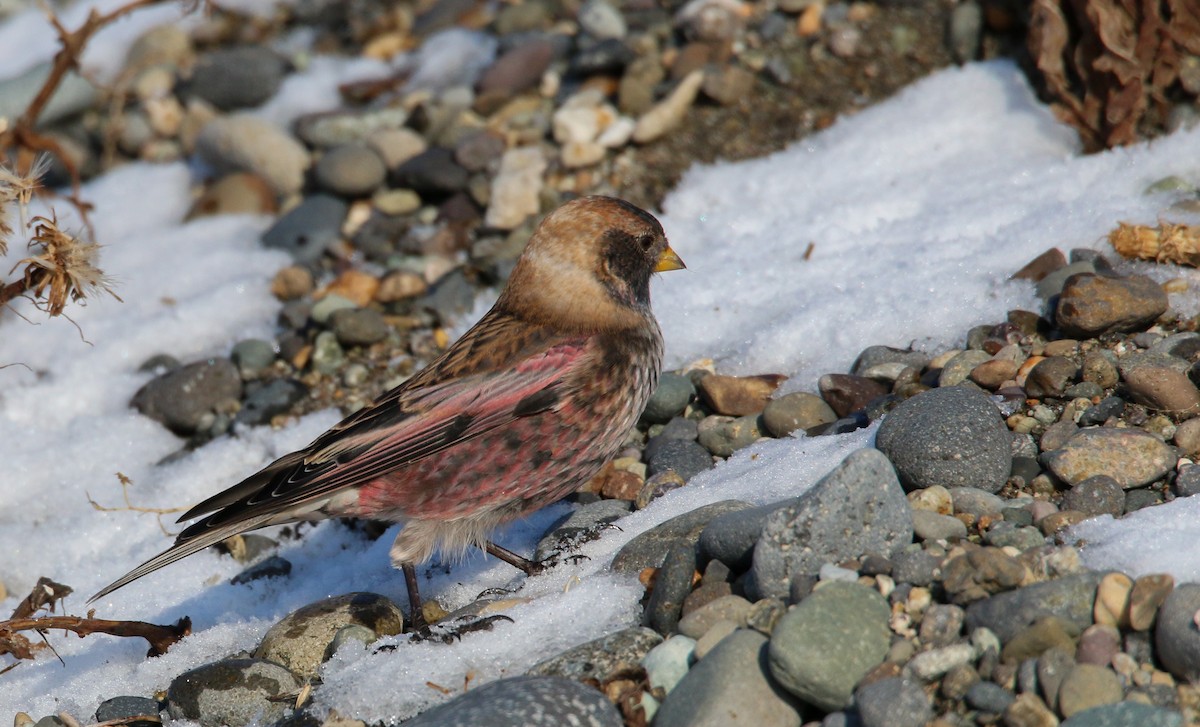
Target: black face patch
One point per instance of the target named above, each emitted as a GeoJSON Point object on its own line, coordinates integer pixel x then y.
{"type": "Point", "coordinates": [631, 264]}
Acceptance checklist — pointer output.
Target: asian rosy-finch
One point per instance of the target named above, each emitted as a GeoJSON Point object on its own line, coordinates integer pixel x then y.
{"type": "Point", "coordinates": [528, 405]}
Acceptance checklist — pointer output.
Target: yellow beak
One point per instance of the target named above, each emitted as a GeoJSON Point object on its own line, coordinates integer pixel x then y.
{"type": "Point", "coordinates": [668, 260]}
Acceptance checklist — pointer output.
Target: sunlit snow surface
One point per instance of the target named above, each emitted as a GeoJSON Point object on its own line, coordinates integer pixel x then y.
{"type": "Point", "coordinates": [918, 210]}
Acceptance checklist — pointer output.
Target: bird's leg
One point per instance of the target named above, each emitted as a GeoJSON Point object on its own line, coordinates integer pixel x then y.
{"type": "Point", "coordinates": [530, 567]}
{"type": "Point", "coordinates": [416, 618]}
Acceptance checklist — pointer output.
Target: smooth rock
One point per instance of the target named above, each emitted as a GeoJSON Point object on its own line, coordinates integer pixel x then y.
{"type": "Point", "coordinates": [232, 692]}
{"type": "Point", "coordinates": [601, 659]}
{"type": "Point", "coordinates": [266, 401]}
{"type": "Point", "coordinates": [524, 701]}
{"type": "Point", "coordinates": [953, 437]}
{"type": "Point", "coordinates": [932, 526]}
{"type": "Point", "coordinates": [668, 113]}
{"type": "Point", "coordinates": [309, 228]}
{"type": "Point", "coordinates": [894, 702]}
{"type": "Point", "coordinates": [730, 538]}
{"type": "Point", "coordinates": [300, 639]}
{"type": "Point", "coordinates": [649, 549]}
{"type": "Point", "coordinates": [726, 608]}
{"type": "Point", "coordinates": [243, 143]}
{"type": "Point", "coordinates": [358, 326]}
{"type": "Point", "coordinates": [516, 188]}
{"type": "Point", "coordinates": [827, 525]}
{"type": "Point", "coordinates": [959, 368]}
{"type": "Point", "coordinates": [1132, 457]}
{"type": "Point", "coordinates": [821, 648]}
{"type": "Point", "coordinates": [798, 411]}
{"type": "Point", "coordinates": [1125, 714]}
{"type": "Point", "coordinates": [237, 77]}
{"type": "Point", "coordinates": [670, 398]}
{"type": "Point", "coordinates": [847, 394]}
{"type": "Point", "coordinates": [1163, 389]}
{"type": "Point", "coordinates": [350, 170]}
{"type": "Point", "coordinates": [1051, 377]}
{"type": "Point", "coordinates": [186, 400]}
{"type": "Point", "coordinates": [731, 687]}
{"type": "Point", "coordinates": [1091, 305]}
{"type": "Point", "coordinates": [1096, 495]}
{"type": "Point", "coordinates": [737, 395]}
{"type": "Point", "coordinates": [1176, 638]}
{"type": "Point", "coordinates": [1087, 686]}
{"type": "Point", "coordinates": [433, 171]}
{"type": "Point", "coordinates": [683, 456]}
{"type": "Point", "coordinates": [1071, 598]}
{"type": "Point", "coordinates": [671, 586]}
{"type": "Point", "coordinates": [668, 663]}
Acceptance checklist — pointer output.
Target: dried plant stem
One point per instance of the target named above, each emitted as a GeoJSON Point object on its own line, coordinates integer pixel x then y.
{"type": "Point", "coordinates": [160, 638]}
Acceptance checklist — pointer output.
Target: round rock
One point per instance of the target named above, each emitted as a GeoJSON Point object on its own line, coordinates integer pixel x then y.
{"type": "Point", "coordinates": [821, 648]}
{"type": "Point", "coordinates": [234, 78]}
{"type": "Point", "coordinates": [241, 143]}
{"type": "Point", "coordinates": [893, 702]}
{"type": "Point", "coordinates": [953, 437]}
{"type": "Point", "coordinates": [1132, 457]}
{"type": "Point", "coordinates": [350, 170]}
{"type": "Point", "coordinates": [524, 701]}
{"type": "Point", "coordinates": [798, 411]}
{"type": "Point", "coordinates": [1176, 638]}
{"type": "Point", "coordinates": [1091, 305]}
{"type": "Point", "coordinates": [299, 640]}
{"type": "Point", "coordinates": [233, 692]}
{"type": "Point", "coordinates": [673, 394]}
{"type": "Point", "coordinates": [186, 399]}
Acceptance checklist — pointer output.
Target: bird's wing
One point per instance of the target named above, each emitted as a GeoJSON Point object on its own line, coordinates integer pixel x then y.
{"type": "Point", "coordinates": [402, 427]}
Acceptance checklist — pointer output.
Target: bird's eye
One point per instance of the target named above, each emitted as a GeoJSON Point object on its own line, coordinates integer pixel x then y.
{"type": "Point", "coordinates": [646, 241]}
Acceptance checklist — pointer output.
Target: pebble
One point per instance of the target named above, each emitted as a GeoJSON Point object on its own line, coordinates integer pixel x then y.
{"type": "Point", "coordinates": [300, 640]}
{"type": "Point", "coordinates": [238, 77]}
{"type": "Point", "coordinates": [649, 549]}
{"type": "Point", "coordinates": [309, 228]}
{"type": "Point", "coordinates": [713, 636]}
{"type": "Point", "coordinates": [263, 402]}
{"type": "Point", "coordinates": [670, 398]}
{"type": "Point", "coordinates": [821, 648]}
{"type": "Point", "coordinates": [1028, 710]}
{"type": "Point", "coordinates": [951, 437]}
{"type": "Point", "coordinates": [187, 399]}
{"type": "Point", "coordinates": [683, 456]}
{"type": "Point", "coordinates": [668, 113]}
{"type": "Point", "coordinates": [524, 701]}
{"type": "Point", "coordinates": [738, 395]}
{"type": "Point", "coordinates": [798, 411]}
{"type": "Point", "coordinates": [242, 143]}
{"type": "Point", "coordinates": [730, 538]}
{"type": "Point", "coordinates": [894, 702]}
{"type": "Point", "coordinates": [395, 145]}
{"type": "Point", "coordinates": [517, 70]}
{"type": "Point", "coordinates": [976, 502]}
{"type": "Point", "coordinates": [1091, 305]}
{"type": "Point", "coordinates": [873, 356]}
{"type": "Point", "coordinates": [1048, 632]}
{"type": "Point", "coordinates": [516, 188]}
{"type": "Point", "coordinates": [672, 584]}
{"type": "Point", "coordinates": [73, 95]}
{"type": "Point", "coordinates": [1112, 600]}
{"type": "Point", "coordinates": [605, 658]}
{"type": "Point", "coordinates": [722, 436]}
{"type": "Point", "coordinates": [232, 692]}
{"type": "Point", "coordinates": [272, 567]}
{"type": "Point", "coordinates": [234, 194]}
{"type": "Point", "coordinates": [1096, 495]}
{"type": "Point", "coordinates": [1132, 457]}
{"type": "Point", "coordinates": [941, 624]}
{"type": "Point", "coordinates": [825, 525]}
{"type": "Point", "coordinates": [932, 526]}
{"type": "Point", "coordinates": [433, 171]}
{"type": "Point", "coordinates": [918, 567]}
{"type": "Point", "coordinates": [126, 708]}
{"type": "Point", "coordinates": [1147, 597]}
{"type": "Point", "coordinates": [358, 326]}
{"type": "Point", "coordinates": [1051, 377]}
{"type": "Point", "coordinates": [668, 663]}
{"type": "Point", "coordinates": [726, 608]}
{"type": "Point", "coordinates": [1070, 598]}
{"type": "Point", "coordinates": [252, 356]}
{"type": "Point", "coordinates": [1125, 714]}
{"type": "Point", "coordinates": [959, 368]}
{"type": "Point", "coordinates": [931, 664]}
{"type": "Point", "coordinates": [1098, 644]}
{"type": "Point", "coordinates": [728, 688]}
{"type": "Point", "coordinates": [847, 394]}
{"type": "Point", "coordinates": [1087, 686]}
{"type": "Point", "coordinates": [1163, 389]}
{"type": "Point", "coordinates": [979, 573]}
{"type": "Point", "coordinates": [350, 170]}
{"type": "Point", "coordinates": [1176, 639]}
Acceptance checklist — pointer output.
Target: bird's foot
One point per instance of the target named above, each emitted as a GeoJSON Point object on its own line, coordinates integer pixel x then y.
{"type": "Point", "coordinates": [448, 634]}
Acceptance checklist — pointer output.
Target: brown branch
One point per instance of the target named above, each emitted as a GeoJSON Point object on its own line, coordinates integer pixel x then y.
{"type": "Point", "coordinates": [160, 638]}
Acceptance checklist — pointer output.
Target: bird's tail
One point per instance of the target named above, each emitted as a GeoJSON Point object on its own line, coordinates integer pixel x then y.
{"type": "Point", "coordinates": [195, 538]}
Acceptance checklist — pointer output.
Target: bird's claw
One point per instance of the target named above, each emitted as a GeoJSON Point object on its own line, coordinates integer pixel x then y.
{"type": "Point", "coordinates": [448, 634]}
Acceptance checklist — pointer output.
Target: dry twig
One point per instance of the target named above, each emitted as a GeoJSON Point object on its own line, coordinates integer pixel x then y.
{"type": "Point", "coordinates": [160, 638]}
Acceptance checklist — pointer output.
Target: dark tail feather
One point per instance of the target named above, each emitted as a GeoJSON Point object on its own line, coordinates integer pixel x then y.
{"type": "Point", "coordinates": [192, 540]}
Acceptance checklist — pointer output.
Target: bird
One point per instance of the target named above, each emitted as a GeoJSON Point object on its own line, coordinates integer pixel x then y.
{"type": "Point", "coordinates": [528, 405]}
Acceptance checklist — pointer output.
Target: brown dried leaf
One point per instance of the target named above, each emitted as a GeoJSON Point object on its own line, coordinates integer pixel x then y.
{"type": "Point", "coordinates": [1167, 243]}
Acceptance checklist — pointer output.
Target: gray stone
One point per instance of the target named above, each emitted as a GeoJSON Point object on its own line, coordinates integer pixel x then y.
{"type": "Point", "coordinates": [731, 687]}
{"type": "Point", "coordinates": [649, 549]}
{"type": "Point", "coordinates": [685, 457]}
{"type": "Point", "coordinates": [672, 584]}
{"type": "Point", "coordinates": [300, 639]}
{"type": "Point", "coordinates": [1096, 495]}
{"type": "Point", "coordinates": [252, 356]}
{"type": "Point", "coordinates": [235, 78]}
{"type": "Point", "coordinates": [1175, 634]}
{"type": "Point", "coordinates": [358, 326]}
{"type": "Point", "coordinates": [1132, 457]}
{"type": "Point", "coordinates": [1126, 714]}
{"type": "Point", "coordinates": [72, 96]}
{"type": "Point", "coordinates": [1071, 598]}
{"type": "Point", "coordinates": [308, 229]}
{"type": "Point", "coordinates": [918, 567]}
{"type": "Point", "coordinates": [725, 608]}
{"type": "Point", "coordinates": [673, 394]}
{"type": "Point", "coordinates": [828, 642]}
{"type": "Point", "coordinates": [601, 659]}
{"type": "Point", "coordinates": [934, 526]}
{"type": "Point", "coordinates": [432, 171]}
{"type": "Point", "coordinates": [722, 436]}
{"type": "Point", "coordinates": [233, 692]}
{"type": "Point", "coordinates": [524, 701]}
{"type": "Point", "coordinates": [266, 401]}
{"type": "Point", "coordinates": [859, 507]}
{"type": "Point", "coordinates": [960, 367]}
{"type": "Point", "coordinates": [976, 502]}
{"type": "Point", "coordinates": [125, 708]}
{"type": "Point", "coordinates": [875, 355]}
{"type": "Point", "coordinates": [186, 399]}
{"type": "Point", "coordinates": [893, 702]}
{"type": "Point", "coordinates": [989, 697]}
{"type": "Point", "coordinates": [1052, 284]}
{"type": "Point", "coordinates": [954, 437]}
{"type": "Point", "coordinates": [730, 538]}
{"type": "Point", "coordinates": [668, 663]}
{"type": "Point", "coordinates": [382, 127]}
{"type": "Point", "coordinates": [350, 170]}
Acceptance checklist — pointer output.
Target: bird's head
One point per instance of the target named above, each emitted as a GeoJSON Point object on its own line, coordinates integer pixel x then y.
{"type": "Point", "coordinates": [589, 264]}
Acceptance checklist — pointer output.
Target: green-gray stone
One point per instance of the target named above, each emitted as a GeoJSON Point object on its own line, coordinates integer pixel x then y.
{"type": "Point", "coordinates": [821, 648]}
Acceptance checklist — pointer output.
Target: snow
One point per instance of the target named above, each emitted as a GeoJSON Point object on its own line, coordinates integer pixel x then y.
{"type": "Point", "coordinates": [918, 209]}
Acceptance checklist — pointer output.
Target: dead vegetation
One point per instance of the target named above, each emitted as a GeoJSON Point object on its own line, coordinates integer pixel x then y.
{"type": "Point", "coordinates": [1114, 68]}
